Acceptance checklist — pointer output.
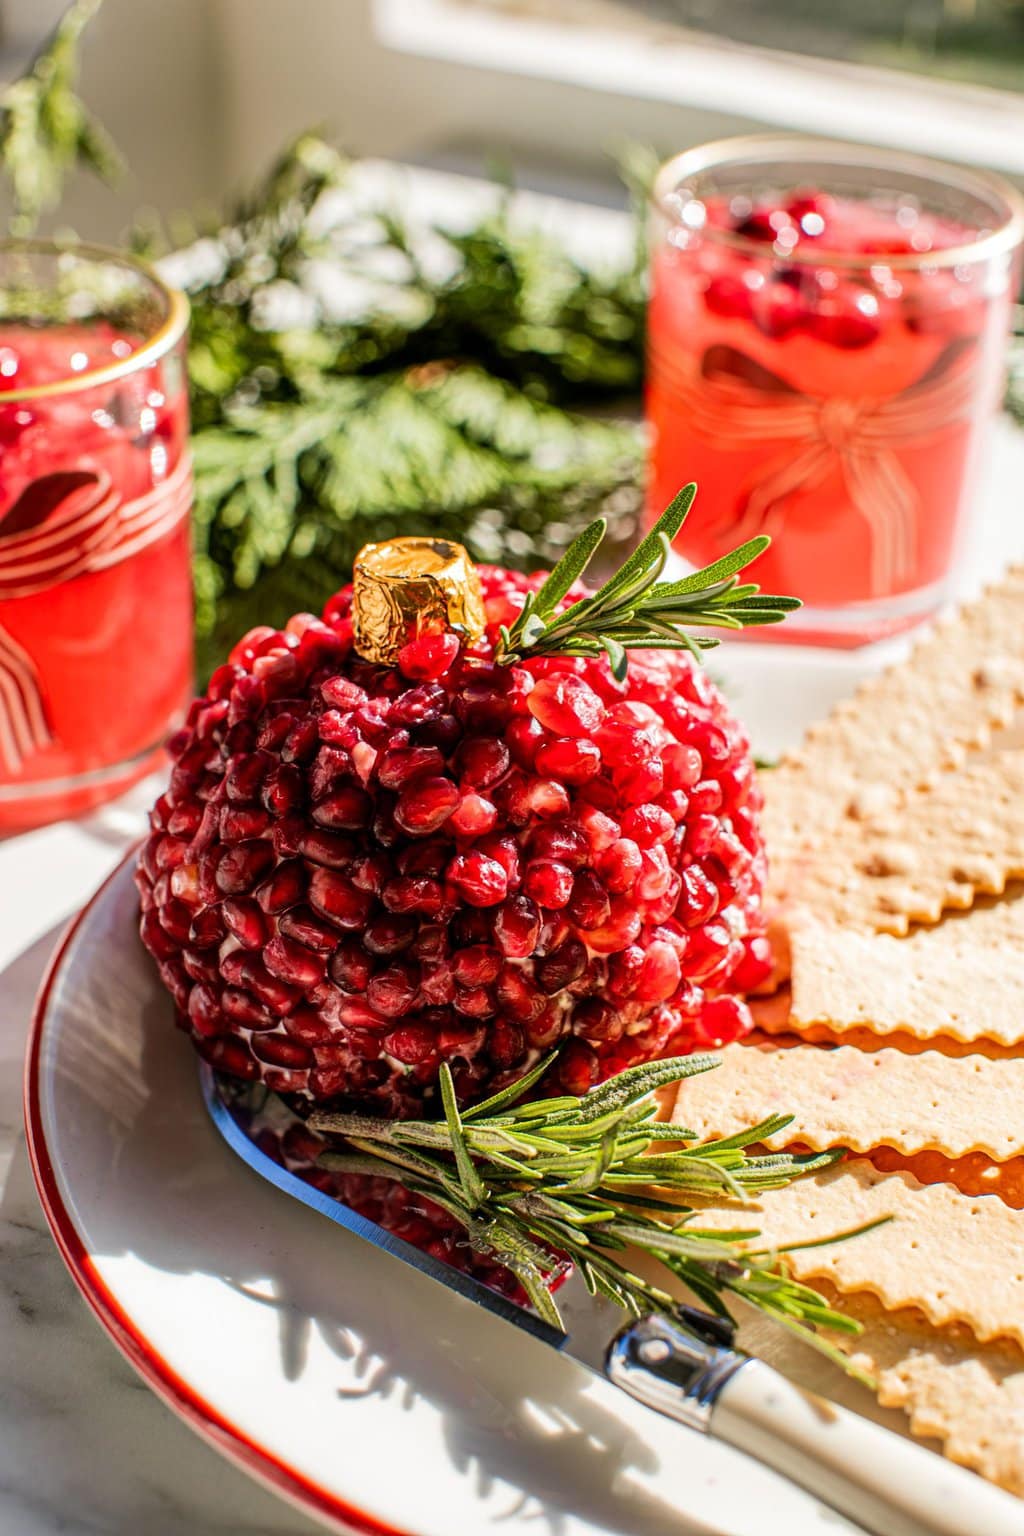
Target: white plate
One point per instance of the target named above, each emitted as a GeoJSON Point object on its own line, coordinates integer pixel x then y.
{"type": "Point", "coordinates": [363, 1391]}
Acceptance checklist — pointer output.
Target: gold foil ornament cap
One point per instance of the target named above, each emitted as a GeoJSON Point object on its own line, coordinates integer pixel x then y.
{"type": "Point", "coordinates": [409, 587]}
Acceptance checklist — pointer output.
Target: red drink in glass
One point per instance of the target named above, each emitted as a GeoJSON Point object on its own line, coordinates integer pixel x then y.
{"type": "Point", "coordinates": [827, 337]}
{"type": "Point", "coordinates": [95, 494]}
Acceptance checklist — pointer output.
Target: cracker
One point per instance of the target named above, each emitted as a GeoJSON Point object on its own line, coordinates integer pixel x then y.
{"type": "Point", "coordinates": [907, 725]}
{"type": "Point", "coordinates": [935, 850]}
{"type": "Point", "coordinates": [967, 1395]}
{"type": "Point", "coordinates": [861, 1100]}
{"type": "Point", "coordinates": [964, 978]}
{"type": "Point", "coordinates": [776, 1025]}
{"type": "Point", "coordinates": [972, 1174]}
{"type": "Point", "coordinates": [956, 1257]}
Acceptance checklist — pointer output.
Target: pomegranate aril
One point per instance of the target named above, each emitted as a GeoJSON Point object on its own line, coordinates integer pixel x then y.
{"type": "Point", "coordinates": [241, 824]}
{"type": "Point", "coordinates": [708, 952]}
{"type": "Point", "coordinates": [301, 742]}
{"type": "Point", "coordinates": [244, 774]}
{"type": "Point", "coordinates": [621, 929]}
{"type": "Point", "coordinates": [482, 761]}
{"type": "Point", "coordinates": [566, 705]}
{"type": "Point", "coordinates": [705, 798]}
{"type": "Point", "coordinates": [480, 880]}
{"type": "Point", "coordinates": [473, 816]}
{"type": "Point", "coordinates": [723, 1020]}
{"type": "Point", "coordinates": [244, 1009]}
{"type": "Point", "coordinates": [350, 967]}
{"type": "Point", "coordinates": [476, 1002]}
{"type": "Point", "coordinates": [429, 656]}
{"type": "Point", "coordinates": [660, 974]}
{"type": "Point", "coordinates": [396, 768]}
{"type": "Point", "coordinates": [428, 701]}
{"type": "Point", "coordinates": [620, 865]}
{"type": "Point", "coordinates": [437, 984]}
{"type": "Point", "coordinates": [597, 1020]}
{"type": "Point", "coordinates": [647, 825]}
{"type": "Point", "coordinates": [569, 760]}
{"type": "Point", "coordinates": [755, 966]}
{"type": "Point", "coordinates": [565, 844]}
{"type": "Point", "coordinates": [302, 925]}
{"type": "Point", "coordinates": [337, 898]}
{"type": "Point", "coordinates": [518, 995]}
{"type": "Point", "coordinates": [389, 935]}
{"type": "Point", "coordinates": [231, 1055]}
{"type": "Point", "coordinates": [524, 737]}
{"type": "Point", "coordinates": [292, 962]}
{"type": "Point", "coordinates": [702, 833]}
{"type": "Point", "coordinates": [332, 850]}
{"type": "Point", "coordinates": [342, 693]}
{"type": "Point", "coordinates": [392, 992]}
{"type": "Point", "coordinates": [204, 1010]}
{"type": "Point", "coordinates": [601, 830]}
{"type": "Point", "coordinates": [562, 966]}
{"type": "Point", "coordinates": [846, 318]}
{"type": "Point", "coordinates": [411, 1043]}
{"type": "Point", "coordinates": [207, 928]}
{"type": "Point", "coordinates": [241, 866]}
{"type": "Point", "coordinates": [284, 888]}
{"type": "Point", "coordinates": [682, 766]}
{"type": "Point", "coordinates": [413, 893]}
{"type": "Point", "coordinates": [506, 1044]}
{"type": "Point", "coordinates": [476, 966]}
{"type": "Point", "coordinates": [348, 807]}
{"type": "Point", "coordinates": [244, 919]}
{"type": "Point", "coordinates": [548, 883]}
{"type": "Point", "coordinates": [426, 805]}
{"type": "Point", "coordinates": [588, 906]}
{"type": "Point", "coordinates": [698, 899]}
{"type": "Point", "coordinates": [282, 1051]}
{"type": "Point", "coordinates": [517, 927]}
{"type": "Point", "coordinates": [577, 1067]}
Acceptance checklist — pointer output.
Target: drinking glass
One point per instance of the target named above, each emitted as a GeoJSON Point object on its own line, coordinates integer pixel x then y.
{"type": "Point", "coordinates": [827, 341]}
{"type": "Point", "coordinates": [95, 495]}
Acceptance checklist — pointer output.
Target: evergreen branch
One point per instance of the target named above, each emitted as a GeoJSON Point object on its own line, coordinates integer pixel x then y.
{"type": "Point", "coordinates": [636, 611]}
{"type": "Point", "coordinates": [45, 130]}
{"type": "Point", "coordinates": [538, 1182]}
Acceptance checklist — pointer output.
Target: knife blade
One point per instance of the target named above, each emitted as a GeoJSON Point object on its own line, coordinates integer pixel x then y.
{"type": "Point", "coordinates": [686, 1366]}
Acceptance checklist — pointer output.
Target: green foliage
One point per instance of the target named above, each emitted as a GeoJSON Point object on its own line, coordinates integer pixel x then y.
{"type": "Point", "coordinates": [451, 403]}
{"type": "Point", "coordinates": [636, 611]}
{"type": "Point", "coordinates": [45, 130]}
{"type": "Point", "coordinates": [535, 1180]}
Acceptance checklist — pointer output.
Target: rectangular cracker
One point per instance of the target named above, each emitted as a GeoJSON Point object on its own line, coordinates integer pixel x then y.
{"type": "Point", "coordinates": [959, 1258]}
{"type": "Point", "coordinates": [860, 1100]}
{"type": "Point", "coordinates": [907, 725]}
{"type": "Point", "coordinates": [967, 1395]}
{"type": "Point", "coordinates": [774, 1022]}
{"type": "Point", "coordinates": [935, 850]}
{"type": "Point", "coordinates": [963, 978]}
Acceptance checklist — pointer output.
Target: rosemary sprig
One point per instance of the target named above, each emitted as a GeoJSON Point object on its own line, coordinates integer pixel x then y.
{"type": "Point", "coordinates": [587, 1179]}
{"type": "Point", "coordinates": [636, 611]}
{"type": "Point", "coordinates": [45, 131]}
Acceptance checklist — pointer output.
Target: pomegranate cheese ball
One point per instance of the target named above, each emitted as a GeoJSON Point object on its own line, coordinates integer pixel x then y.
{"type": "Point", "coordinates": [360, 870]}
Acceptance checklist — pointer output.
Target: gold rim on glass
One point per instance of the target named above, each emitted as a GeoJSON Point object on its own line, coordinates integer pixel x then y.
{"type": "Point", "coordinates": [759, 149]}
{"type": "Point", "coordinates": [172, 327]}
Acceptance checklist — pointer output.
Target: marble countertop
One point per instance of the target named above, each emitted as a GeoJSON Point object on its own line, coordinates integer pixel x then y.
{"type": "Point", "coordinates": [85, 1447]}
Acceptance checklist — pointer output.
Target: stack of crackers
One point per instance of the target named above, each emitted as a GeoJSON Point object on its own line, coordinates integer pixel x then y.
{"type": "Point", "coordinates": [896, 833]}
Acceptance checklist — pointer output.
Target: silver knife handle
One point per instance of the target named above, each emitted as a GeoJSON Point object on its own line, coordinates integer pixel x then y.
{"type": "Point", "coordinates": [888, 1485]}
{"type": "Point", "coordinates": [672, 1370]}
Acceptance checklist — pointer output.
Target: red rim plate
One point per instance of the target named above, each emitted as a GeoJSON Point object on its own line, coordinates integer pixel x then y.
{"type": "Point", "coordinates": [206, 1420]}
